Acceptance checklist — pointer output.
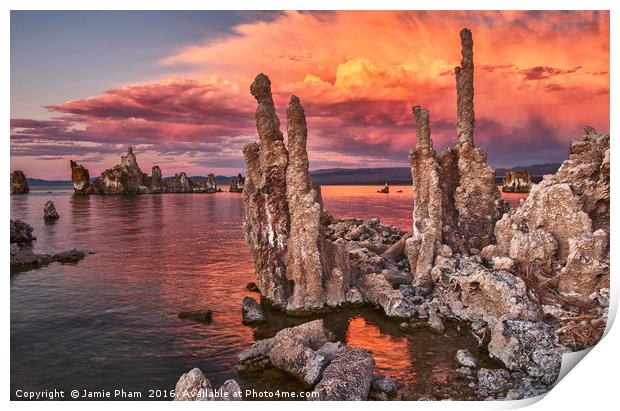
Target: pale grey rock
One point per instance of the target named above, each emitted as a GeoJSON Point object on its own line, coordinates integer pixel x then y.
{"type": "Point", "coordinates": [347, 377]}
{"type": "Point", "coordinates": [465, 358]}
{"type": "Point", "coordinates": [252, 312]}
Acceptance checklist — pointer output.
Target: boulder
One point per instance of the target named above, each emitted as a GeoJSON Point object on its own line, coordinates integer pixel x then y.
{"type": "Point", "coordinates": [252, 311]}
{"type": "Point", "coordinates": [526, 346]}
{"type": "Point", "coordinates": [21, 232]}
{"type": "Point", "coordinates": [194, 386]}
{"type": "Point", "coordinates": [49, 211]}
{"type": "Point", "coordinates": [347, 377]}
{"type": "Point", "coordinates": [19, 183]}
{"type": "Point", "coordinates": [493, 381]}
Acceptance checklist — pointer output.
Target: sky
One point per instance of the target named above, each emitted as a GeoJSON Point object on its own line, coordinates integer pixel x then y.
{"type": "Point", "coordinates": [175, 85]}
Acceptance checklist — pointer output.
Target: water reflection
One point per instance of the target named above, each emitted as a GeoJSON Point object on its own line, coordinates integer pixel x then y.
{"type": "Point", "coordinates": [111, 320]}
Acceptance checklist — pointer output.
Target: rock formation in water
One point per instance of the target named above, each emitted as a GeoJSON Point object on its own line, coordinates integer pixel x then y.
{"type": "Point", "coordinates": [19, 183]}
{"type": "Point", "coordinates": [236, 184]}
{"type": "Point", "coordinates": [517, 181]}
{"type": "Point", "coordinates": [564, 222]}
{"type": "Point", "coordinates": [21, 232]}
{"type": "Point", "coordinates": [427, 211]}
{"type": "Point", "coordinates": [251, 311]}
{"type": "Point", "coordinates": [210, 185]}
{"type": "Point", "coordinates": [157, 183]}
{"type": "Point", "coordinates": [80, 179]}
{"type": "Point", "coordinates": [123, 178]}
{"type": "Point", "coordinates": [309, 352]}
{"type": "Point", "coordinates": [385, 189]}
{"type": "Point", "coordinates": [180, 183]}
{"type": "Point", "coordinates": [194, 386]}
{"type": "Point", "coordinates": [296, 267]}
{"type": "Point", "coordinates": [49, 211]}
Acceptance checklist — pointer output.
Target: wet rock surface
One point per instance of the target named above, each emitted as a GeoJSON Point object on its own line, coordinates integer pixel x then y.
{"type": "Point", "coordinates": [19, 183]}
{"type": "Point", "coordinates": [21, 232]}
{"type": "Point", "coordinates": [251, 311]}
{"type": "Point", "coordinates": [49, 211]}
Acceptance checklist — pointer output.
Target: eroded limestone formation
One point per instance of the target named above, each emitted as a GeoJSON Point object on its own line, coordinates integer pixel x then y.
{"type": "Point", "coordinates": [80, 179]}
{"type": "Point", "coordinates": [297, 268]}
{"type": "Point", "coordinates": [19, 183]}
{"type": "Point", "coordinates": [469, 194]}
{"type": "Point", "coordinates": [49, 211]}
{"type": "Point", "coordinates": [517, 181]}
{"type": "Point", "coordinates": [427, 211]}
{"type": "Point", "coordinates": [210, 185]}
{"type": "Point", "coordinates": [180, 183]}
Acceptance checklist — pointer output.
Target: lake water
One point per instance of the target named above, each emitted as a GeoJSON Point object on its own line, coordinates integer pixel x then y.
{"type": "Point", "coordinates": [110, 321]}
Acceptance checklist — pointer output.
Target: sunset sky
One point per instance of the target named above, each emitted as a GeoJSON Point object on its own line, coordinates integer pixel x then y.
{"type": "Point", "coordinates": [175, 85]}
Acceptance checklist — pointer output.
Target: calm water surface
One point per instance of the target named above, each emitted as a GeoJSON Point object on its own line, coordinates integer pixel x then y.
{"type": "Point", "coordinates": [110, 321]}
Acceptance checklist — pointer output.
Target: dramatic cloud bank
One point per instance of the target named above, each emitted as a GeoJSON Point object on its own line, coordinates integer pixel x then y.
{"type": "Point", "coordinates": [540, 76]}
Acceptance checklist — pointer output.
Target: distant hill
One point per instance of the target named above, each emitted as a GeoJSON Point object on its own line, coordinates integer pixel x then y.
{"type": "Point", "coordinates": [351, 176]}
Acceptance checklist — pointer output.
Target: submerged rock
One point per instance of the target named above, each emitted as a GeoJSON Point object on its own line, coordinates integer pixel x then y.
{"type": "Point", "coordinates": [25, 258]}
{"type": "Point", "coordinates": [49, 211]}
{"type": "Point", "coordinates": [252, 311]}
{"type": "Point", "coordinates": [194, 386]}
{"type": "Point", "coordinates": [21, 232]}
{"type": "Point", "coordinates": [19, 183]}
{"type": "Point", "coordinates": [204, 316]}
{"type": "Point", "coordinates": [385, 189]}
{"type": "Point", "coordinates": [80, 179]}
{"type": "Point", "coordinates": [251, 286]}
{"type": "Point", "coordinates": [517, 181]}
{"type": "Point", "coordinates": [465, 358]}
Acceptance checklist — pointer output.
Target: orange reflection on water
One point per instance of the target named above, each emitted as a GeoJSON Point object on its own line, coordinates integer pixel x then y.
{"type": "Point", "coordinates": [391, 353]}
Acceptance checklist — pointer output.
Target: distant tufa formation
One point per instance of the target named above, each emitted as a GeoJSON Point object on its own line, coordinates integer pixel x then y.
{"type": "Point", "coordinates": [517, 181]}
{"type": "Point", "coordinates": [19, 183]}
{"type": "Point", "coordinates": [236, 184]}
{"type": "Point", "coordinates": [128, 178]}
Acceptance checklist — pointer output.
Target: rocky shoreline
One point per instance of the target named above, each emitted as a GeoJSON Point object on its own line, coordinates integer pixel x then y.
{"type": "Point", "coordinates": [524, 281]}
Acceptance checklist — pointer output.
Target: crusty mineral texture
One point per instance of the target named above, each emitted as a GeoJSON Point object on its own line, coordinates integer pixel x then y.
{"type": "Point", "coordinates": [49, 211]}
{"type": "Point", "coordinates": [427, 221]}
{"type": "Point", "coordinates": [517, 181]}
{"type": "Point", "coordinates": [469, 194]}
{"type": "Point", "coordinates": [180, 183]}
{"type": "Point", "coordinates": [19, 183]}
{"type": "Point", "coordinates": [80, 179]}
{"type": "Point", "coordinates": [123, 178]}
{"type": "Point", "coordinates": [564, 222]}
{"type": "Point", "coordinates": [296, 267]}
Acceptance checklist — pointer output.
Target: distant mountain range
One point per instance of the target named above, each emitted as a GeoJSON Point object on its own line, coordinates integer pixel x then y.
{"type": "Point", "coordinates": [351, 176]}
